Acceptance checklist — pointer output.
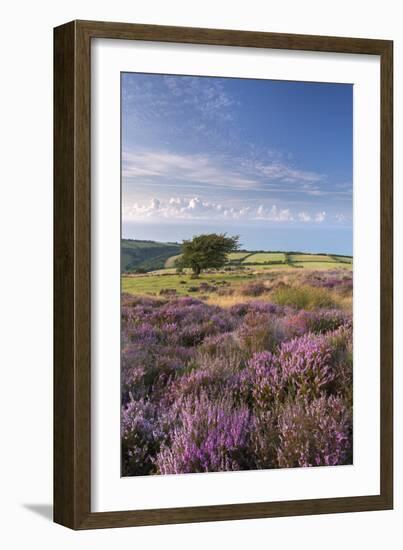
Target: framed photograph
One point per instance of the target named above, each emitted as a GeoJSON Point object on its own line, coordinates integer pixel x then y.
{"type": "Point", "coordinates": [222, 275]}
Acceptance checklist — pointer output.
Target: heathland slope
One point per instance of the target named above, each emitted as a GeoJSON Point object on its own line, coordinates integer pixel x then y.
{"type": "Point", "coordinates": [146, 255]}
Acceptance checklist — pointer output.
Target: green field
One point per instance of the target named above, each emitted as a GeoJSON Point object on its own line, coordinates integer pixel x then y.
{"type": "Point", "coordinates": [344, 259]}
{"type": "Point", "coordinates": [237, 256]}
{"type": "Point", "coordinates": [167, 279]}
{"type": "Point", "coordinates": [265, 257]}
{"type": "Point", "coordinates": [156, 260]}
{"type": "Point", "coordinates": [183, 284]}
{"type": "Point", "coordinates": [310, 258]}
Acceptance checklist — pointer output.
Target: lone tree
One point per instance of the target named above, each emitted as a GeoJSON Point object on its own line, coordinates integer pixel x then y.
{"type": "Point", "coordinates": [207, 251]}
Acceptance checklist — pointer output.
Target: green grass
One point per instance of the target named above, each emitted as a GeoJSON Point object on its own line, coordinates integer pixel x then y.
{"type": "Point", "coordinates": [310, 258]}
{"type": "Point", "coordinates": [303, 297]}
{"type": "Point", "coordinates": [153, 284]}
{"type": "Point", "coordinates": [264, 267]}
{"type": "Point", "coordinates": [263, 257]}
{"type": "Point", "coordinates": [237, 255]}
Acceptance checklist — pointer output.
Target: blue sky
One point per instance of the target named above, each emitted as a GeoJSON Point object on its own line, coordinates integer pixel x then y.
{"type": "Point", "coordinates": [268, 160]}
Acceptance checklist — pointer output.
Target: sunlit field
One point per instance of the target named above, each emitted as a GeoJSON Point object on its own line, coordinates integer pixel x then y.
{"type": "Point", "coordinates": [237, 255]}
{"type": "Point", "coordinates": [264, 257]}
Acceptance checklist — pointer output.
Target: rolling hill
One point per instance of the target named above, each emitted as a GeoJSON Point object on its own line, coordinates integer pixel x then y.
{"type": "Point", "coordinates": [146, 255]}
{"type": "Point", "coordinates": [143, 256]}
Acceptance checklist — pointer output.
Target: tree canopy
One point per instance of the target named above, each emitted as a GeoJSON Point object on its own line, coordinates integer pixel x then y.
{"type": "Point", "coordinates": [207, 251]}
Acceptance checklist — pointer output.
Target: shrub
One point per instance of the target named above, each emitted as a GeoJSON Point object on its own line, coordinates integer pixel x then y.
{"type": "Point", "coordinates": [259, 332]}
{"type": "Point", "coordinates": [168, 292]}
{"type": "Point", "coordinates": [337, 280]}
{"type": "Point", "coordinates": [141, 437]}
{"type": "Point", "coordinates": [317, 433]}
{"type": "Point", "coordinates": [206, 287]}
{"type": "Point", "coordinates": [223, 348]}
{"type": "Point", "coordinates": [306, 366]}
{"type": "Point", "coordinates": [261, 382]}
{"type": "Point", "coordinates": [318, 322]}
{"type": "Point", "coordinates": [256, 288]}
{"type": "Point", "coordinates": [264, 439]}
{"type": "Point", "coordinates": [225, 291]}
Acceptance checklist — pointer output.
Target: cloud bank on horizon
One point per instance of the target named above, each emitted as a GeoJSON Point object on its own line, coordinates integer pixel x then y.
{"type": "Point", "coordinates": [177, 209]}
{"type": "Point", "coordinates": [235, 150]}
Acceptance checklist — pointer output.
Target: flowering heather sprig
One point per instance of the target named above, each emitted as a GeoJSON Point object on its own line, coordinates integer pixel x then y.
{"type": "Point", "coordinates": [145, 333]}
{"type": "Point", "coordinates": [210, 437]}
{"type": "Point", "coordinates": [321, 321]}
{"type": "Point", "coordinates": [306, 365]}
{"type": "Point", "coordinates": [262, 380]}
{"type": "Point", "coordinates": [141, 437]}
{"type": "Point", "coordinates": [146, 369]}
{"type": "Point", "coordinates": [195, 383]}
{"type": "Point", "coordinates": [223, 353]}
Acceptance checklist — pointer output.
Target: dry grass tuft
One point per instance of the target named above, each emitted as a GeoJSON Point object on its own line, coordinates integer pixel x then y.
{"type": "Point", "coordinates": [303, 297]}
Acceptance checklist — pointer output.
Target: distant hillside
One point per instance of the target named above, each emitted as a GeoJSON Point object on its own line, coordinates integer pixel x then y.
{"type": "Point", "coordinates": [141, 256]}
{"type": "Point", "coordinates": [146, 255]}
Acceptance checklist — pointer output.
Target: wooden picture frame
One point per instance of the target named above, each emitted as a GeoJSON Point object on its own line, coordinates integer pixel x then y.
{"type": "Point", "coordinates": [72, 271]}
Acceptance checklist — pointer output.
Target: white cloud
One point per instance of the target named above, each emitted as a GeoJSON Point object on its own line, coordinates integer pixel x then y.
{"type": "Point", "coordinates": [199, 169]}
{"type": "Point", "coordinates": [304, 217]}
{"type": "Point", "coordinates": [280, 171]}
{"type": "Point", "coordinates": [166, 168]}
{"type": "Point", "coordinates": [195, 208]}
{"type": "Point", "coordinates": [320, 217]}
{"type": "Point", "coordinates": [274, 214]}
{"type": "Point", "coordinates": [183, 209]}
